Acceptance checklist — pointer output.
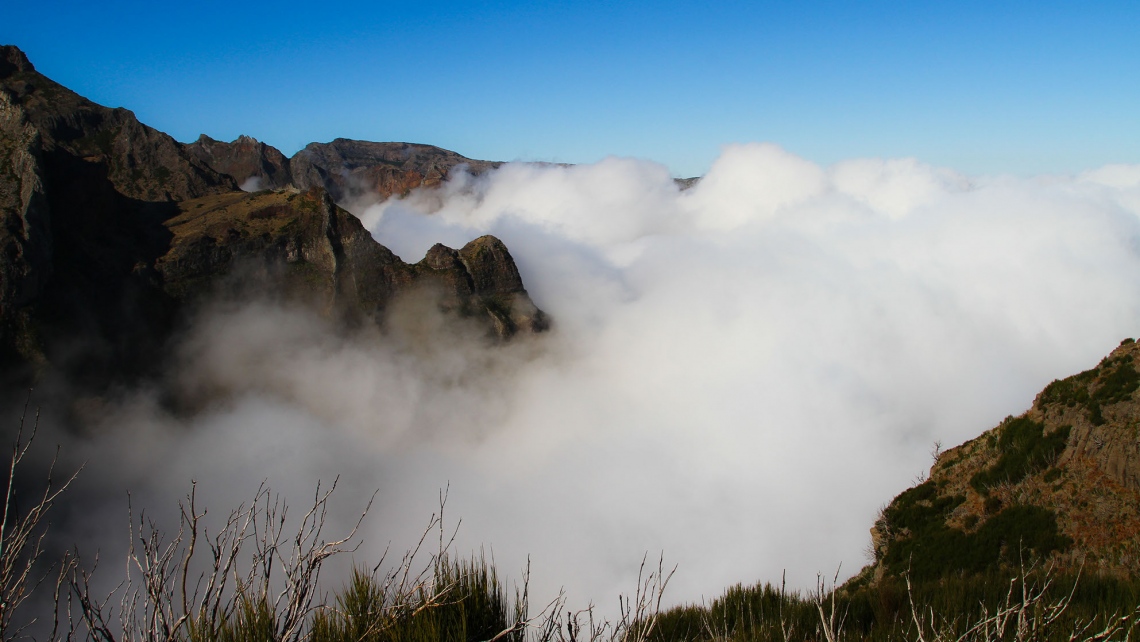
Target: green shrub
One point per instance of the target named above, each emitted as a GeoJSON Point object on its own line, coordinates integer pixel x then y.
{"type": "Point", "coordinates": [254, 621]}
{"type": "Point", "coordinates": [992, 505]}
{"type": "Point", "coordinates": [926, 547]}
{"type": "Point", "coordinates": [1117, 379]}
{"type": "Point", "coordinates": [939, 550]}
{"type": "Point", "coordinates": [1116, 386]}
{"type": "Point", "coordinates": [920, 508]}
{"type": "Point", "coordinates": [473, 607]}
{"type": "Point", "coordinates": [1069, 392]}
{"type": "Point", "coordinates": [880, 611]}
{"type": "Point", "coordinates": [1024, 450]}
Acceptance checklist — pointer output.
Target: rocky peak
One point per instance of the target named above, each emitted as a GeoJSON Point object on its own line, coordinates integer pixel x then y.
{"type": "Point", "coordinates": [13, 60]}
{"type": "Point", "coordinates": [80, 138]}
{"type": "Point", "coordinates": [354, 170]}
{"type": "Point", "coordinates": [441, 257]}
{"type": "Point", "coordinates": [253, 164]}
{"type": "Point", "coordinates": [491, 267]}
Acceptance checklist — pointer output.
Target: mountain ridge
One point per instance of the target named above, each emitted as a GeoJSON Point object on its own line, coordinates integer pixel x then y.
{"type": "Point", "coordinates": [351, 170]}
{"type": "Point", "coordinates": [98, 268]}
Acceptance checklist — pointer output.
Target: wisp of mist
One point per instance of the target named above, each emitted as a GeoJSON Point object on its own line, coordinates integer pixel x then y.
{"type": "Point", "coordinates": [739, 375]}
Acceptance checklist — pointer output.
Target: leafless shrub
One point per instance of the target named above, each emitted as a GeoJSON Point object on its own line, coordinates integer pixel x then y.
{"type": "Point", "coordinates": [636, 620]}
{"type": "Point", "coordinates": [377, 601]}
{"type": "Point", "coordinates": [831, 617]}
{"type": "Point", "coordinates": [165, 597]}
{"type": "Point", "coordinates": [22, 536]}
{"type": "Point", "coordinates": [1025, 614]}
{"type": "Point", "coordinates": [258, 577]}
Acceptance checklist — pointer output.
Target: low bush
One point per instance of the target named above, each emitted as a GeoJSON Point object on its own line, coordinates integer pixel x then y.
{"type": "Point", "coordinates": [1024, 450]}
{"type": "Point", "coordinates": [1114, 379]}
{"type": "Point", "coordinates": [474, 607]}
{"type": "Point", "coordinates": [947, 608]}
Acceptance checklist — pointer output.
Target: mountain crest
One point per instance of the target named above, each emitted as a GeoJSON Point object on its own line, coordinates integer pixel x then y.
{"type": "Point", "coordinates": [355, 172]}
{"type": "Point", "coordinates": [12, 59]}
{"type": "Point", "coordinates": [112, 229]}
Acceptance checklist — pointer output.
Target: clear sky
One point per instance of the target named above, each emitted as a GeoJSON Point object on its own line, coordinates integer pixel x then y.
{"type": "Point", "coordinates": [983, 87]}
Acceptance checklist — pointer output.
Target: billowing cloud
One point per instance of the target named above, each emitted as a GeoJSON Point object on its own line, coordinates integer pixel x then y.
{"type": "Point", "coordinates": [740, 373]}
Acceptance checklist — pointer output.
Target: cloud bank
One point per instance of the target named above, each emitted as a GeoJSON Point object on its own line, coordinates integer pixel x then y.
{"type": "Point", "coordinates": [740, 374]}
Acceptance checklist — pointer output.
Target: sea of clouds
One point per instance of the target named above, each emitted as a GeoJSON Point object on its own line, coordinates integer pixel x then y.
{"type": "Point", "coordinates": [739, 375]}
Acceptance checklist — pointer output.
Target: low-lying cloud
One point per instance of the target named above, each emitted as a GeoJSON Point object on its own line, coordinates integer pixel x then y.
{"type": "Point", "coordinates": [740, 374]}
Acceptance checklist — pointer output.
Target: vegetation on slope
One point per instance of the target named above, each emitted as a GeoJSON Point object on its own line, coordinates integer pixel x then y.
{"type": "Point", "coordinates": [944, 609]}
{"type": "Point", "coordinates": [1060, 482]}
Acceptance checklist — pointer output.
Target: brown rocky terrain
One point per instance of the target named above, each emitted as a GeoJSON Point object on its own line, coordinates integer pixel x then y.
{"type": "Point", "coordinates": [321, 254]}
{"type": "Point", "coordinates": [353, 171]}
{"type": "Point", "coordinates": [1061, 482]}
{"type": "Point", "coordinates": [357, 173]}
{"type": "Point", "coordinates": [253, 164]}
{"type": "Point", "coordinates": [111, 230]}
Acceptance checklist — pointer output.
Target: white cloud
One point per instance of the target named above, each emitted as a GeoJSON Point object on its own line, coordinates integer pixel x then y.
{"type": "Point", "coordinates": [740, 374]}
{"type": "Point", "coordinates": [893, 187]}
{"type": "Point", "coordinates": [753, 183]}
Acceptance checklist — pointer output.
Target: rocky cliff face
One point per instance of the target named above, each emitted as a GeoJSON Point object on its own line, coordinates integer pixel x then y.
{"type": "Point", "coordinates": [136, 161]}
{"type": "Point", "coordinates": [25, 257]}
{"type": "Point", "coordinates": [1062, 481]}
{"type": "Point", "coordinates": [352, 171]}
{"type": "Point", "coordinates": [85, 191]}
{"type": "Point", "coordinates": [319, 253]}
{"type": "Point", "coordinates": [112, 229]}
{"type": "Point", "coordinates": [253, 164]}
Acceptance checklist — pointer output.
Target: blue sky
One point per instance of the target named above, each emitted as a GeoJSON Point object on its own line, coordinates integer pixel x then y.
{"type": "Point", "coordinates": [983, 87]}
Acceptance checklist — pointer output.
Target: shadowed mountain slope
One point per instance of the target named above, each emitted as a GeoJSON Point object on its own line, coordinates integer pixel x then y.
{"type": "Point", "coordinates": [110, 228]}
{"type": "Point", "coordinates": [316, 252]}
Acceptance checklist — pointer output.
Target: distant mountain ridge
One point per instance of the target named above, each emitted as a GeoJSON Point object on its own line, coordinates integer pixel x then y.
{"type": "Point", "coordinates": [355, 172]}
{"type": "Point", "coordinates": [113, 230]}
{"type": "Point", "coordinates": [349, 170]}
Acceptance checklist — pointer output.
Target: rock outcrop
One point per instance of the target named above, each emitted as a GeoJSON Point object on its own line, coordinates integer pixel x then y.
{"type": "Point", "coordinates": [112, 230]}
{"type": "Point", "coordinates": [315, 251]}
{"type": "Point", "coordinates": [253, 164]}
